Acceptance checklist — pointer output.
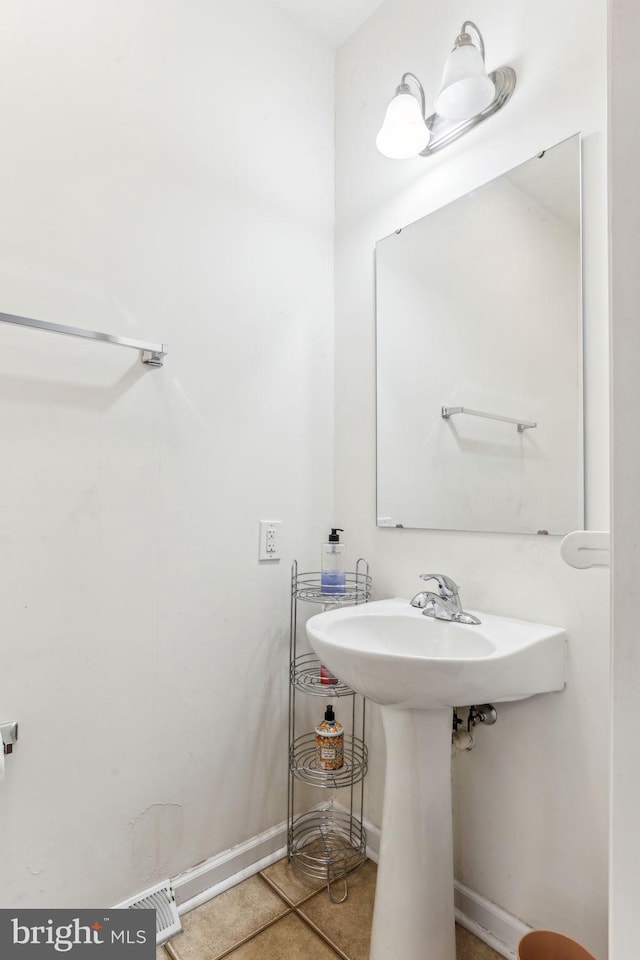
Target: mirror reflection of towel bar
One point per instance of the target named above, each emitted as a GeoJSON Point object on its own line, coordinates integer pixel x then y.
{"type": "Point", "coordinates": [522, 425]}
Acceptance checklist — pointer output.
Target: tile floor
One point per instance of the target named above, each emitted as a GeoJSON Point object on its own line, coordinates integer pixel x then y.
{"type": "Point", "coordinates": [275, 915]}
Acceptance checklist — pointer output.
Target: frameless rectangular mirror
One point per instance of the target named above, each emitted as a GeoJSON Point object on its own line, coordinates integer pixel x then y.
{"type": "Point", "coordinates": [479, 357]}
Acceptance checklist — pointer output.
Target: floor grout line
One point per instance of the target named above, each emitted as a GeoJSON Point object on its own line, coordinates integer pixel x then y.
{"type": "Point", "coordinates": [323, 936]}
{"type": "Point", "coordinates": [280, 893]}
{"type": "Point", "coordinates": [170, 951]}
{"type": "Point", "coordinates": [250, 936]}
{"type": "Point", "coordinates": [295, 909]}
{"type": "Point", "coordinates": [303, 902]}
{"type": "Point", "coordinates": [288, 900]}
{"type": "Point", "coordinates": [174, 955]}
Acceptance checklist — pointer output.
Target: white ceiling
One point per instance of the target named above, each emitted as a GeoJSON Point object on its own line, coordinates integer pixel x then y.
{"type": "Point", "coordinates": [330, 20]}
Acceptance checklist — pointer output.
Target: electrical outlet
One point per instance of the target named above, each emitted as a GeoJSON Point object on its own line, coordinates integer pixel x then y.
{"type": "Point", "coordinates": [269, 540]}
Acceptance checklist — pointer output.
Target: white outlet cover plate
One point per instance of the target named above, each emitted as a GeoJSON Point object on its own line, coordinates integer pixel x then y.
{"type": "Point", "coordinates": [270, 533]}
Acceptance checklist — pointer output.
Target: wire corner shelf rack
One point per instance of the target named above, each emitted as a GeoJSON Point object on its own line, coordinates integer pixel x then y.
{"type": "Point", "coordinates": [328, 842]}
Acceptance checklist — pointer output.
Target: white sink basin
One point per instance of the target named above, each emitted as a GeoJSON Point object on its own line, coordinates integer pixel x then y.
{"type": "Point", "coordinates": [392, 654]}
{"type": "Point", "coordinates": [417, 669]}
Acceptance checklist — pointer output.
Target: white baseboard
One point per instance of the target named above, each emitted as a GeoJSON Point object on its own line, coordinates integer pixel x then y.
{"type": "Point", "coordinates": [217, 874]}
{"type": "Point", "coordinates": [487, 921]}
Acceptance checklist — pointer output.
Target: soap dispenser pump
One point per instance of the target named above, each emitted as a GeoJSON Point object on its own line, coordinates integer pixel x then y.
{"type": "Point", "coordinates": [332, 574]}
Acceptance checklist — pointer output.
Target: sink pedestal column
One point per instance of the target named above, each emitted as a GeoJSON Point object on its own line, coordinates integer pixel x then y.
{"type": "Point", "coordinates": [414, 914]}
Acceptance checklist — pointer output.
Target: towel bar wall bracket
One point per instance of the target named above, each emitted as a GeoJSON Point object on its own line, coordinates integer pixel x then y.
{"type": "Point", "coordinates": [151, 354]}
{"type": "Point", "coordinates": [8, 736]}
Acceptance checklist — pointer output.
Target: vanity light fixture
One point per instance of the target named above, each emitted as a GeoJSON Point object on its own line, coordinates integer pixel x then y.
{"type": "Point", "coordinates": [467, 96]}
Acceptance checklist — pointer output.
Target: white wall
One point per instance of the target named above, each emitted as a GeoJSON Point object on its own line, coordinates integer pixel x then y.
{"type": "Point", "coordinates": [624, 145]}
{"type": "Point", "coordinates": [161, 178]}
{"type": "Point", "coordinates": [531, 799]}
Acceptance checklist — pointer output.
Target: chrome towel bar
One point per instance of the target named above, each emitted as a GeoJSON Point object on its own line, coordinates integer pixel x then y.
{"type": "Point", "coordinates": [152, 354]}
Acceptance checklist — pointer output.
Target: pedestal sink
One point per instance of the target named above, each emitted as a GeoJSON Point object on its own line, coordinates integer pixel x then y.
{"type": "Point", "coordinates": [417, 669]}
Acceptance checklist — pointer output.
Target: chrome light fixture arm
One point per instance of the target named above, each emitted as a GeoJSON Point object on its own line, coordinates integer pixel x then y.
{"type": "Point", "coordinates": [463, 36]}
{"type": "Point", "coordinates": [404, 88]}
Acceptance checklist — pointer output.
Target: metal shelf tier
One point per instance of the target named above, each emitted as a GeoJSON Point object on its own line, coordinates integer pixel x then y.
{"type": "Point", "coordinates": [305, 675]}
{"type": "Point", "coordinates": [327, 844]}
{"type": "Point", "coordinates": [304, 765]}
{"type": "Point", "coordinates": [357, 587]}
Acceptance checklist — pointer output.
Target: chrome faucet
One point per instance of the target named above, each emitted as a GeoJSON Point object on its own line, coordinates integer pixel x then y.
{"type": "Point", "coordinates": [443, 605]}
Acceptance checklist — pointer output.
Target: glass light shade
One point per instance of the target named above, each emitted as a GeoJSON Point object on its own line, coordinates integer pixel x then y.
{"type": "Point", "coordinates": [404, 132]}
{"type": "Point", "coordinates": [465, 89]}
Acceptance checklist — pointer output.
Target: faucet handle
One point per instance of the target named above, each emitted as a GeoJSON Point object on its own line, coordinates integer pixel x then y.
{"type": "Point", "coordinates": [420, 600]}
{"type": "Point", "coordinates": [446, 586]}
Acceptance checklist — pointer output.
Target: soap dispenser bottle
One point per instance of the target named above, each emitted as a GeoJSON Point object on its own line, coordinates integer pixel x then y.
{"type": "Point", "coordinates": [329, 742]}
{"type": "Point", "coordinates": [332, 574]}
